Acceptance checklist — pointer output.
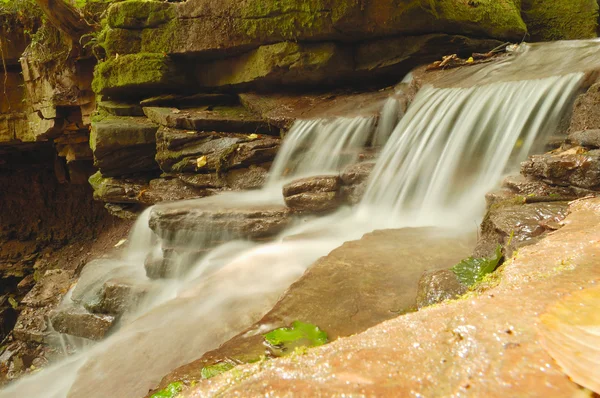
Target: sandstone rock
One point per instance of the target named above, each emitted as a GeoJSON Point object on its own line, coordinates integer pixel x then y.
{"type": "Point", "coordinates": [252, 177]}
{"type": "Point", "coordinates": [114, 190]}
{"type": "Point", "coordinates": [118, 296]}
{"type": "Point", "coordinates": [31, 325]}
{"type": "Point", "coordinates": [437, 351]}
{"type": "Point", "coordinates": [123, 145]}
{"type": "Point", "coordinates": [217, 221]}
{"type": "Point", "coordinates": [139, 14]}
{"type": "Point", "coordinates": [169, 190]}
{"type": "Point", "coordinates": [527, 186]}
{"type": "Point", "coordinates": [124, 211]}
{"type": "Point", "coordinates": [253, 23]}
{"type": "Point", "coordinates": [517, 225]}
{"type": "Point", "coordinates": [354, 181]}
{"type": "Point", "coordinates": [575, 167]}
{"type": "Point", "coordinates": [560, 20]}
{"type": "Point", "coordinates": [120, 108]}
{"type": "Point", "coordinates": [586, 138]}
{"type": "Point", "coordinates": [284, 63]}
{"type": "Point", "coordinates": [210, 180]}
{"type": "Point", "coordinates": [205, 152]}
{"type": "Point", "coordinates": [77, 322]}
{"type": "Point", "coordinates": [335, 295]}
{"type": "Point", "coordinates": [50, 289]}
{"type": "Point", "coordinates": [585, 115]}
{"type": "Point", "coordinates": [188, 101]}
{"type": "Point", "coordinates": [438, 286]}
{"type": "Point", "coordinates": [209, 118]}
{"type": "Point", "coordinates": [313, 194]}
{"type": "Point", "coordinates": [137, 74]}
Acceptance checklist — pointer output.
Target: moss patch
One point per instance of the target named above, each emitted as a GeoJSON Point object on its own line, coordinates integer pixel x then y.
{"type": "Point", "coordinates": [300, 334]}
{"type": "Point", "coordinates": [171, 391]}
{"type": "Point", "coordinates": [216, 369]}
{"type": "Point", "coordinates": [560, 19]}
{"type": "Point", "coordinates": [139, 14]}
{"type": "Point", "coordinates": [472, 270]}
{"type": "Point", "coordinates": [144, 72]}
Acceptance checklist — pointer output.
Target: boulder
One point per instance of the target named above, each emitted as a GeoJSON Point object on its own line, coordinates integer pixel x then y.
{"type": "Point", "coordinates": [438, 286]}
{"type": "Point", "coordinates": [216, 221]}
{"type": "Point", "coordinates": [234, 119]}
{"type": "Point", "coordinates": [286, 63]}
{"type": "Point", "coordinates": [586, 138]}
{"type": "Point", "coordinates": [560, 19]}
{"type": "Point", "coordinates": [354, 181]}
{"type": "Point", "coordinates": [205, 152]}
{"type": "Point", "coordinates": [123, 145]}
{"type": "Point", "coordinates": [585, 110]}
{"type": "Point", "coordinates": [575, 167]}
{"type": "Point", "coordinates": [514, 225]}
{"type": "Point", "coordinates": [80, 323]}
{"type": "Point", "coordinates": [135, 75]}
{"type": "Point", "coordinates": [313, 194]}
{"type": "Point", "coordinates": [355, 287]}
{"type": "Point", "coordinates": [113, 190]}
{"type": "Point", "coordinates": [118, 296]}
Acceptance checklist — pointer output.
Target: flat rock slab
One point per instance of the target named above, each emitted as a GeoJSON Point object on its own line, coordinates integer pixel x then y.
{"type": "Point", "coordinates": [357, 286]}
{"type": "Point", "coordinates": [487, 345]}
{"type": "Point", "coordinates": [219, 118]}
{"type": "Point", "coordinates": [77, 322]}
{"type": "Point", "coordinates": [218, 222]}
{"type": "Point", "coordinates": [50, 289]}
{"type": "Point", "coordinates": [188, 151]}
{"type": "Point", "coordinates": [313, 194]}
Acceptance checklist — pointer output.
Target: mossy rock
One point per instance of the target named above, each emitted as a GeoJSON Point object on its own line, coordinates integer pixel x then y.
{"type": "Point", "coordinates": [143, 73]}
{"type": "Point", "coordinates": [139, 14]}
{"type": "Point", "coordinates": [560, 19]}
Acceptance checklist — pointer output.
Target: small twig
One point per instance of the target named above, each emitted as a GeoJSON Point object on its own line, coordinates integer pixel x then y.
{"type": "Point", "coordinates": [5, 72]}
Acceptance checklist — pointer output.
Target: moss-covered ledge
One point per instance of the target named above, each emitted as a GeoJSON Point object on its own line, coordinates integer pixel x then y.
{"type": "Point", "coordinates": [143, 72]}
{"type": "Point", "coordinates": [139, 14]}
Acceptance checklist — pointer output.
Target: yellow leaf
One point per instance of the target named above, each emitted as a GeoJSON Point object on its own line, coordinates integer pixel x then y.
{"type": "Point", "coordinates": [570, 332]}
{"type": "Point", "coordinates": [470, 60]}
{"type": "Point", "coordinates": [201, 162]}
{"type": "Point", "coordinates": [253, 136]}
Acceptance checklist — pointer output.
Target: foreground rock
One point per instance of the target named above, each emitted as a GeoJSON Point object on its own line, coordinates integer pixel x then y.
{"type": "Point", "coordinates": [476, 347]}
{"type": "Point", "coordinates": [358, 285]}
{"type": "Point", "coordinates": [313, 194]}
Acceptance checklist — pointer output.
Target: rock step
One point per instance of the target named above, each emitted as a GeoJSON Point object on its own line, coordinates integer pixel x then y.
{"type": "Point", "coordinates": [234, 119]}
{"type": "Point", "coordinates": [313, 194]}
{"type": "Point", "coordinates": [79, 323]}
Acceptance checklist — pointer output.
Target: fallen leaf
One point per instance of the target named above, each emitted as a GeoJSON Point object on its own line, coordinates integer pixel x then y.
{"type": "Point", "coordinates": [121, 242]}
{"type": "Point", "coordinates": [253, 136]}
{"type": "Point", "coordinates": [570, 332]}
{"type": "Point", "coordinates": [201, 162]}
{"type": "Point", "coordinates": [470, 60]}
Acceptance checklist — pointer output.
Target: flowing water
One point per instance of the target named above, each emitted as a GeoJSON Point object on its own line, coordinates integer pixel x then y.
{"type": "Point", "coordinates": [452, 145]}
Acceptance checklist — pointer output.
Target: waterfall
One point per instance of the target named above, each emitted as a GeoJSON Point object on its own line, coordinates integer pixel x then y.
{"type": "Point", "coordinates": [454, 144]}
{"type": "Point", "coordinates": [451, 146]}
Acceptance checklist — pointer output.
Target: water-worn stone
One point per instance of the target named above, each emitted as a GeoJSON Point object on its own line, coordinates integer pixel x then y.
{"type": "Point", "coordinates": [438, 286]}
{"type": "Point", "coordinates": [354, 181]}
{"type": "Point", "coordinates": [219, 222]}
{"type": "Point", "coordinates": [313, 194]}
{"type": "Point", "coordinates": [585, 110]}
{"type": "Point", "coordinates": [437, 351]}
{"type": "Point", "coordinates": [356, 286]}
{"type": "Point", "coordinates": [80, 323]}
{"type": "Point", "coordinates": [586, 138]}
{"type": "Point", "coordinates": [31, 326]}
{"type": "Point", "coordinates": [50, 288]}
{"type": "Point", "coordinates": [113, 190]}
{"type": "Point", "coordinates": [514, 225]}
{"type": "Point", "coordinates": [169, 190]}
{"type": "Point", "coordinates": [118, 296]}
{"type": "Point", "coordinates": [123, 145]}
{"type": "Point", "coordinates": [576, 167]}
{"type": "Point", "coordinates": [206, 152]}
{"type": "Point", "coordinates": [235, 119]}
{"type": "Point", "coordinates": [530, 186]}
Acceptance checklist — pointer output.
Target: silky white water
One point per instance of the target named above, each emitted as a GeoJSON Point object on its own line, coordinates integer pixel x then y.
{"type": "Point", "coordinates": [452, 146]}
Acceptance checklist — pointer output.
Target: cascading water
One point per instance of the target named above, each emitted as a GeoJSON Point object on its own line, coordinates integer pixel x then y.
{"type": "Point", "coordinates": [452, 145]}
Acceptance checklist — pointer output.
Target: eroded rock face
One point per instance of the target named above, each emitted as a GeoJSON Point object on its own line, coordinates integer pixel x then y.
{"type": "Point", "coordinates": [575, 167]}
{"type": "Point", "coordinates": [438, 351]}
{"type": "Point", "coordinates": [80, 323]}
{"type": "Point", "coordinates": [358, 285]}
{"type": "Point", "coordinates": [313, 194]}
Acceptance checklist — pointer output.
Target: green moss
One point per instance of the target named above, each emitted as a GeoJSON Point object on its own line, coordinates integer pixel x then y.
{"type": "Point", "coordinates": [472, 270]}
{"type": "Point", "coordinates": [142, 72]}
{"type": "Point", "coordinates": [171, 391]}
{"type": "Point", "coordinates": [560, 19]}
{"type": "Point", "coordinates": [139, 14]}
{"type": "Point", "coordinates": [162, 39]}
{"type": "Point", "coordinates": [120, 41]}
{"type": "Point", "coordinates": [300, 334]}
{"type": "Point", "coordinates": [216, 369]}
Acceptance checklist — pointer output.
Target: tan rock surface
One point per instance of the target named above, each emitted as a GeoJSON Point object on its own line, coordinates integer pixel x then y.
{"type": "Point", "coordinates": [484, 345]}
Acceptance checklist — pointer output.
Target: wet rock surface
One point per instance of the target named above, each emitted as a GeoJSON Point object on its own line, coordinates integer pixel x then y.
{"type": "Point", "coordinates": [438, 286]}
{"type": "Point", "coordinates": [76, 322]}
{"type": "Point", "coordinates": [451, 341]}
{"type": "Point", "coordinates": [313, 194]}
{"type": "Point", "coordinates": [356, 286]}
